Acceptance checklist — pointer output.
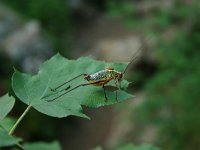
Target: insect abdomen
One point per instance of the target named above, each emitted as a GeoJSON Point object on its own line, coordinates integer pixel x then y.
{"type": "Point", "coordinates": [98, 75]}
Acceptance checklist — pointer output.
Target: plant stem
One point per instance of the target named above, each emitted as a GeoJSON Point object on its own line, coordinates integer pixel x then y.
{"type": "Point", "coordinates": [19, 146]}
{"type": "Point", "coordinates": [19, 120]}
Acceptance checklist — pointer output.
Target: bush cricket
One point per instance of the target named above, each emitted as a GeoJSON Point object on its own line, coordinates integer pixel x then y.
{"type": "Point", "coordinates": [99, 78]}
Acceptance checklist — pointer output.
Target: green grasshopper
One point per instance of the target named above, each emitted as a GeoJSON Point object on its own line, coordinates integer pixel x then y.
{"type": "Point", "coordinates": [100, 78]}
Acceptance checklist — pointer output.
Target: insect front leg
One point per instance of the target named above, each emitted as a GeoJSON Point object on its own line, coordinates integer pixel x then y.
{"type": "Point", "coordinates": [106, 99]}
{"type": "Point", "coordinates": [117, 85]}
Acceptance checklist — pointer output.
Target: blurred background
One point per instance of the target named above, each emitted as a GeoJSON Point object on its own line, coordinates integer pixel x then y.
{"type": "Point", "coordinates": [165, 79]}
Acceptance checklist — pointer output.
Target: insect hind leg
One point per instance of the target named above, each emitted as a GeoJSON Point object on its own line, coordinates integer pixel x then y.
{"type": "Point", "coordinates": [69, 89]}
{"type": "Point", "coordinates": [56, 88]}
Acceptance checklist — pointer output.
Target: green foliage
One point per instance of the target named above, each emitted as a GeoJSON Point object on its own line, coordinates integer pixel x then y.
{"type": "Point", "coordinates": [42, 146]}
{"type": "Point", "coordinates": [133, 147]}
{"type": "Point", "coordinates": [173, 92]}
{"type": "Point", "coordinates": [54, 17]}
{"type": "Point", "coordinates": [140, 147]}
{"type": "Point", "coordinates": [123, 9]}
{"type": "Point", "coordinates": [7, 140]}
{"type": "Point", "coordinates": [52, 14]}
{"type": "Point", "coordinates": [6, 104]}
{"type": "Point", "coordinates": [7, 123]}
{"type": "Point", "coordinates": [172, 102]}
{"type": "Point", "coordinates": [116, 8]}
{"type": "Point", "coordinates": [35, 90]}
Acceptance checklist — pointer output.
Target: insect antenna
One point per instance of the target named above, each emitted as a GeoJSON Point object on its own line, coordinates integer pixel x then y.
{"type": "Point", "coordinates": [136, 55]}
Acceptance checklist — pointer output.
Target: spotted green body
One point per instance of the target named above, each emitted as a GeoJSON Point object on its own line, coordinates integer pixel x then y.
{"type": "Point", "coordinates": [103, 76]}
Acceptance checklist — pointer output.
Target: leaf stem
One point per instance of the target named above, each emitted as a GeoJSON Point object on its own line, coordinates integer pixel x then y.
{"type": "Point", "coordinates": [19, 120]}
{"type": "Point", "coordinates": [19, 146]}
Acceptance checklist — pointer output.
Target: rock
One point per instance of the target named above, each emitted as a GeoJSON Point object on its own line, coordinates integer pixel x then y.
{"type": "Point", "coordinates": [109, 40]}
{"type": "Point", "coordinates": [23, 42]}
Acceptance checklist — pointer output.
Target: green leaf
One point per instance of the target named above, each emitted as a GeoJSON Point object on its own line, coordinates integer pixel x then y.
{"type": "Point", "coordinates": [7, 123]}
{"type": "Point", "coordinates": [140, 147]}
{"type": "Point", "coordinates": [32, 90]}
{"type": "Point", "coordinates": [7, 140]}
{"type": "Point", "coordinates": [42, 146]}
{"type": "Point", "coordinates": [6, 104]}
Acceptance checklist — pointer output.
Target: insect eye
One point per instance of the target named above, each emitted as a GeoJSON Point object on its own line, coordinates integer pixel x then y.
{"type": "Point", "coordinates": [86, 77]}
